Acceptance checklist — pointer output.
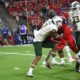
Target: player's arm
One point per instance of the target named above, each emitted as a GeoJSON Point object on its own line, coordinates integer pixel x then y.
{"type": "Point", "coordinates": [56, 35]}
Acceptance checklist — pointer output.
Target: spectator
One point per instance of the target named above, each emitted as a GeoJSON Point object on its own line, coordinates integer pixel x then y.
{"type": "Point", "coordinates": [45, 9]}
{"type": "Point", "coordinates": [1, 42]}
{"type": "Point", "coordinates": [5, 34]}
{"type": "Point", "coordinates": [1, 21]}
{"type": "Point", "coordinates": [17, 40]}
{"type": "Point", "coordinates": [51, 13]}
{"type": "Point", "coordinates": [17, 19]}
{"type": "Point", "coordinates": [11, 40]}
{"type": "Point", "coordinates": [23, 33]}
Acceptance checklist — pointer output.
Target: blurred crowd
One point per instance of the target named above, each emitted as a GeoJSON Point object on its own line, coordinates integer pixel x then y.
{"type": "Point", "coordinates": [35, 12]}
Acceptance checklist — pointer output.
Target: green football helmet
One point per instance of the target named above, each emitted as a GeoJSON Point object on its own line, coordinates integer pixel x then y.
{"type": "Point", "coordinates": [75, 4]}
{"type": "Point", "coordinates": [57, 21]}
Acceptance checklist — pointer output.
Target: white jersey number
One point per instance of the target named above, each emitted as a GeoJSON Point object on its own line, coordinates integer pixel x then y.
{"type": "Point", "coordinates": [47, 23]}
{"type": "Point", "coordinates": [75, 19]}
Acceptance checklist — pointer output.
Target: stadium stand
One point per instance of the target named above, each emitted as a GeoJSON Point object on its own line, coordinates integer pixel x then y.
{"type": "Point", "coordinates": [32, 12]}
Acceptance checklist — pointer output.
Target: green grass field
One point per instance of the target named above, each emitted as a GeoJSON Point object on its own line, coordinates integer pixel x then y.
{"type": "Point", "coordinates": [15, 62]}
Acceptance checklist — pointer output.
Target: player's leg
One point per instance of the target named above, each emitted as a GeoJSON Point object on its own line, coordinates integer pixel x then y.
{"type": "Point", "coordinates": [60, 47]}
{"type": "Point", "coordinates": [47, 58]}
{"type": "Point", "coordinates": [54, 51]}
{"type": "Point", "coordinates": [61, 55]}
{"type": "Point", "coordinates": [51, 54]}
{"type": "Point", "coordinates": [38, 52]}
{"type": "Point", "coordinates": [46, 61]}
{"type": "Point", "coordinates": [77, 66]}
{"type": "Point", "coordinates": [78, 54]}
{"type": "Point", "coordinates": [22, 39]}
{"type": "Point", "coordinates": [73, 46]}
{"type": "Point", "coordinates": [25, 37]}
{"type": "Point", "coordinates": [67, 50]}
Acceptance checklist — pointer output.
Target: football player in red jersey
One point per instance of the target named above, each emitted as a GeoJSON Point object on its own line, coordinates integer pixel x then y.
{"type": "Point", "coordinates": [67, 38]}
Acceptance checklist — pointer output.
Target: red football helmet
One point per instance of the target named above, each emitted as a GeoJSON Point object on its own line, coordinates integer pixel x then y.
{"type": "Point", "coordinates": [65, 15]}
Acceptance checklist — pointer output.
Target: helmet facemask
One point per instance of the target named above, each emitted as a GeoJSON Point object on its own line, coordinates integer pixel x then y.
{"type": "Point", "coordinates": [57, 21]}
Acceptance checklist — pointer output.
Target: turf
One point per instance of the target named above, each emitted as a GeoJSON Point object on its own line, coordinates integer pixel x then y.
{"type": "Point", "coordinates": [15, 62]}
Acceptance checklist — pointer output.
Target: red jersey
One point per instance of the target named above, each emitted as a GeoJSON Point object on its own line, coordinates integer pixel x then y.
{"type": "Point", "coordinates": [67, 38]}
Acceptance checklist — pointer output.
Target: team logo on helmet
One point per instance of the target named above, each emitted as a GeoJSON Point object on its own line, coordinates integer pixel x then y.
{"type": "Point", "coordinates": [75, 4]}
{"type": "Point", "coordinates": [57, 21]}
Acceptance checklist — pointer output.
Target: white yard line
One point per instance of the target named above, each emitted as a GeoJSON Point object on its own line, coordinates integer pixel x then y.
{"type": "Point", "coordinates": [26, 54]}
{"type": "Point", "coordinates": [30, 45]}
{"type": "Point", "coordinates": [15, 53]}
{"type": "Point", "coordinates": [16, 68]}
